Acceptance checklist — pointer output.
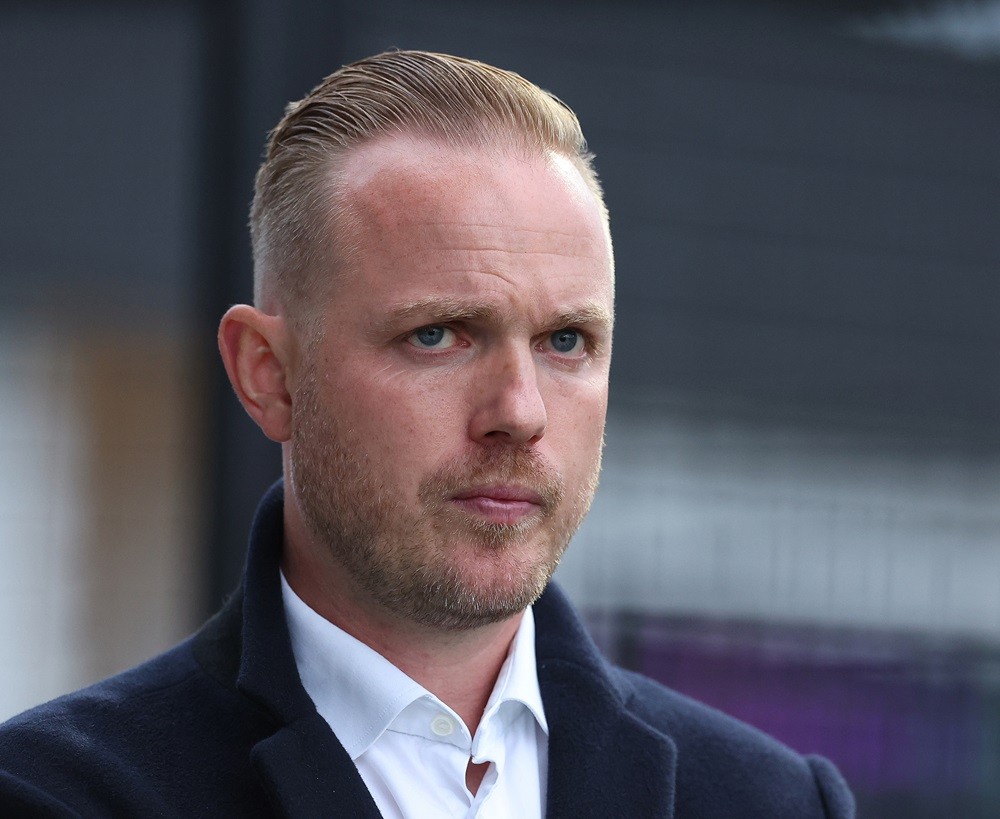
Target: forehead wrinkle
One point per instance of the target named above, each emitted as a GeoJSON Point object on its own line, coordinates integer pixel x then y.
{"type": "Point", "coordinates": [514, 251]}
{"type": "Point", "coordinates": [472, 237]}
{"type": "Point", "coordinates": [462, 224]}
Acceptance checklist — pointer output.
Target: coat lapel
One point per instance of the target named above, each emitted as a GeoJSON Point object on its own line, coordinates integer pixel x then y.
{"type": "Point", "coordinates": [307, 773]}
{"type": "Point", "coordinates": [302, 766]}
{"type": "Point", "coordinates": [602, 760]}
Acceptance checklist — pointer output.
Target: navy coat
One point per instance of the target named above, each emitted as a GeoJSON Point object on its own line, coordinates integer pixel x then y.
{"type": "Point", "coordinates": [221, 726]}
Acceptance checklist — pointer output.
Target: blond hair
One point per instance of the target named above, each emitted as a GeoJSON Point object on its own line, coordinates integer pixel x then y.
{"type": "Point", "coordinates": [462, 102]}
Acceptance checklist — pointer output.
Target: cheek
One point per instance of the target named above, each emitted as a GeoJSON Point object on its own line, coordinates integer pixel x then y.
{"type": "Point", "coordinates": [582, 402]}
{"type": "Point", "coordinates": [576, 424]}
{"type": "Point", "coordinates": [404, 425]}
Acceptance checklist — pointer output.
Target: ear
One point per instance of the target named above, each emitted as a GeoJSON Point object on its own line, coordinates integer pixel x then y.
{"type": "Point", "coordinates": [256, 349]}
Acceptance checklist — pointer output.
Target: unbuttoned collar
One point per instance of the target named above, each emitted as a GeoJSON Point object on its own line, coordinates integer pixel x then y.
{"type": "Point", "coordinates": [603, 760]}
{"type": "Point", "coordinates": [361, 694]}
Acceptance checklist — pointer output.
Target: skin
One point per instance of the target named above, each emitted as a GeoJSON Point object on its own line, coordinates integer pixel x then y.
{"type": "Point", "coordinates": [442, 435]}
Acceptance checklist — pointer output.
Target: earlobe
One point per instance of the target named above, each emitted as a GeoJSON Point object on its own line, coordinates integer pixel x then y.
{"type": "Point", "coordinates": [256, 350]}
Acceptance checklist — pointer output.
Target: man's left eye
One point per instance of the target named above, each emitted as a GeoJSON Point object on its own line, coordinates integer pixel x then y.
{"type": "Point", "coordinates": [566, 341]}
{"type": "Point", "coordinates": [434, 337]}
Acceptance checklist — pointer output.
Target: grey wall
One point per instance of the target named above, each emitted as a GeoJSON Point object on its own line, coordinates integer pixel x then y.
{"type": "Point", "coordinates": [101, 138]}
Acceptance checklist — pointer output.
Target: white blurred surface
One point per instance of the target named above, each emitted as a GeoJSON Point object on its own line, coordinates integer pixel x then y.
{"type": "Point", "coordinates": [98, 506]}
{"type": "Point", "coordinates": [819, 523]}
{"type": "Point", "coordinates": [41, 514]}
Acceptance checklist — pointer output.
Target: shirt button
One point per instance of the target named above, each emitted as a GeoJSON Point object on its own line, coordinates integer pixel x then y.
{"type": "Point", "coordinates": [442, 726]}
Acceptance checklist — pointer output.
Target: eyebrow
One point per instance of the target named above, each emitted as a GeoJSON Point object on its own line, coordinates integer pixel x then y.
{"type": "Point", "coordinates": [590, 314]}
{"type": "Point", "coordinates": [443, 310]}
{"type": "Point", "coordinates": [447, 309]}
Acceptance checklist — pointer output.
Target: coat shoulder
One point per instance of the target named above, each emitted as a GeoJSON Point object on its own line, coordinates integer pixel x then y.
{"type": "Point", "coordinates": [138, 740]}
{"type": "Point", "coordinates": [722, 761]}
{"type": "Point", "coordinates": [92, 717]}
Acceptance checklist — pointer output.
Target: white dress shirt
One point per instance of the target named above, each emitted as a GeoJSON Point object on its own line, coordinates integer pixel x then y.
{"type": "Point", "coordinates": [410, 748]}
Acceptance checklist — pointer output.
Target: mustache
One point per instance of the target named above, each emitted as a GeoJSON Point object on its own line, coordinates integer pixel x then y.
{"type": "Point", "coordinates": [519, 466]}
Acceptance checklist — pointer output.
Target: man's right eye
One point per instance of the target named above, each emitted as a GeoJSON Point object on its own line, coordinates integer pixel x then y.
{"type": "Point", "coordinates": [434, 337]}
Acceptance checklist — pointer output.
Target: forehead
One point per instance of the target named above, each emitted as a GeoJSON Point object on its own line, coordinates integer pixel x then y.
{"type": "Point", "coordinates": [512, 239]}
{"type": "Point", "coordinates": [533, 201]}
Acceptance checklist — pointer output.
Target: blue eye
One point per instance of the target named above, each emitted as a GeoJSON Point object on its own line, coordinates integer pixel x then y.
{"type": "Point", "coordinates": [565, 341]}
{"type": "Point", "coordinates": [433, 336]}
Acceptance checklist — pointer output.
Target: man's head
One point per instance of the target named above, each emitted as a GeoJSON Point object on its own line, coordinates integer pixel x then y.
{"type": "Point", "coordinates": [442, 409]}
{"type": "Point", "coordinates": [299, 213]}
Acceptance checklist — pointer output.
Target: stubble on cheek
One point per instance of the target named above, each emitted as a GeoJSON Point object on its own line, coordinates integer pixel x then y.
{"type": "Point", "coordinates": [425, 559]}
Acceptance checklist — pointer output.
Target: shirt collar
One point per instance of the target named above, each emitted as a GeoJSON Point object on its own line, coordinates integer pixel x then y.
{"type": "Point", "coordinates": [518, 677]}
{"type": "Point", "coordinates": [359, 692]}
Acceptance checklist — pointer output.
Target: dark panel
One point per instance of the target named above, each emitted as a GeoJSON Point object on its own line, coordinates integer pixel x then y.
{"type": "Point", "coordinates": [848, 207]}
{"type": "Point", "coordinates": [99, 166]}
{"type": "Point", "coordinates": [803, 282]}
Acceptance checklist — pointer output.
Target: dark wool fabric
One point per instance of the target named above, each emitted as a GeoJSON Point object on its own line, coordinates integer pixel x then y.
{"type": "Point", "coordinates": [221, 726]}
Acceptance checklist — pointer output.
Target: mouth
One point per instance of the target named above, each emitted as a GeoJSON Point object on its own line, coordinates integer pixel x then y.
{"type": "Point", "coordinates": [505, 504]}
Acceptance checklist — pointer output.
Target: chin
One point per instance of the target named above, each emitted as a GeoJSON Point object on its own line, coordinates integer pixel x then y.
{"type": "Point", "coordinates": [476, 590]}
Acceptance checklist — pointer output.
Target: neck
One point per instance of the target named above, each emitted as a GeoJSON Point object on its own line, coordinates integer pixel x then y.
{"type": "Point", "coordinates": [460, 667]}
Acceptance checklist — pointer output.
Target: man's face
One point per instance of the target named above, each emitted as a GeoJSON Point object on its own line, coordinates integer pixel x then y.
{"type": "Point", "coordinates": [448, 424]}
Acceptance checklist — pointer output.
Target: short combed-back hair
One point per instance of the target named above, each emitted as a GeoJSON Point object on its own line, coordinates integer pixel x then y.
{"type": "Point", "coordinates": [461, 102]}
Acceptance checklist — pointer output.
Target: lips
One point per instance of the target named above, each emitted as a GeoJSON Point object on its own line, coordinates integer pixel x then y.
{"type": "Point", "coordinates": [502, 504]}
{"type": "Point", "coordinates": [512, 494]}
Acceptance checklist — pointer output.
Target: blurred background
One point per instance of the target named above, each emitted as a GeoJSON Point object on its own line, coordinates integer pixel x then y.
{"type": "Point", "coordinates": [799, 518]}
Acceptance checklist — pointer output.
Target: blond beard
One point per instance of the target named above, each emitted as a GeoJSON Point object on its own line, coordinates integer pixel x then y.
{"type": "Point", "coordinates": [399, 557]}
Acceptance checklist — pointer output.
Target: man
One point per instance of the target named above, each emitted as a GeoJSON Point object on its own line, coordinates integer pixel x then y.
{"type": "Point", "coordinates": [430, 346]}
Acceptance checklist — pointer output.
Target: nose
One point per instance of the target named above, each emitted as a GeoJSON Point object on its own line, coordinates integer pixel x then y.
{"type": "Point", "coordinates": [507, 405]}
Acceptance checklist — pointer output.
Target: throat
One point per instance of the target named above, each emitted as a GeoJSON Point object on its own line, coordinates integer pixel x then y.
{"type": "Point", "coordinates": [474, 773]}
